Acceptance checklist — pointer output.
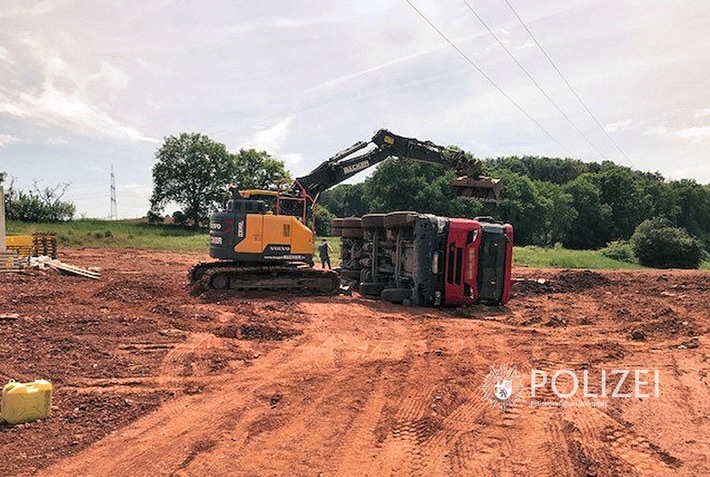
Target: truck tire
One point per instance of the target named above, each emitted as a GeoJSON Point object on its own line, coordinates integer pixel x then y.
{"type": "Point", "coordinates": [336, 231]}
{"type": "Point", "coordinates": [352, 223]}
{"type": "Point", "coordinates": [351, 274]}
{"type": "Point", "coordinates": [373, 221]}
{"type": "Point", "coordinates": [336, 223]}
{"type": "Point", "coordinates": [371, 288]}
{"type": "Point", "coordinates": [351, 233]}
{"type": "Point", "coordinates": [396, 295]}
{"type": "Point", "coordinates": [399, 219]}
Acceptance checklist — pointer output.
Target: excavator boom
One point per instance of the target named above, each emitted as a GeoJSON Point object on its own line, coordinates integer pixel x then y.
{"type": "Point", "coordinates": [470, 183]}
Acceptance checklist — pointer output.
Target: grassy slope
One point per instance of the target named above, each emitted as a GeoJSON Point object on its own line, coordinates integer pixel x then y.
{"type": "Point", "coordinates": [132, 234]}
{"type": "Point", "coordinates": [118, 234]}
{"type": "Point", "coordinates": [565, 258]}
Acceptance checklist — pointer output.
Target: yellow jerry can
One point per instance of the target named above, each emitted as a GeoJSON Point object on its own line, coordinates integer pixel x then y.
{"type": "Point", "coordinates": [26, 402]}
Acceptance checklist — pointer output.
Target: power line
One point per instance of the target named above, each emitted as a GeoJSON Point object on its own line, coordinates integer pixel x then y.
{"type": "Point", "coordinates": [527, 73]}
{"type": "Point", "coordinates": [559, 72]}
{"type": "Point", "coordinates": [488, 78]}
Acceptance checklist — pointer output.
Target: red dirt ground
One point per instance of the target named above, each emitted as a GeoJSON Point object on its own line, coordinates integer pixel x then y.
{"type": "Point", "coordinates": [150, 381]}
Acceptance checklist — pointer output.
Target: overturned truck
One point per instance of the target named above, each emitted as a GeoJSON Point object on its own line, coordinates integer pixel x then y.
{"type": "Point", "coordinates": [423, 259]}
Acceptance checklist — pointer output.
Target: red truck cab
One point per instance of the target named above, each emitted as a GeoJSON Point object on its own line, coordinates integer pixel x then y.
{"type": "Point", "coordinates": [478, 261]}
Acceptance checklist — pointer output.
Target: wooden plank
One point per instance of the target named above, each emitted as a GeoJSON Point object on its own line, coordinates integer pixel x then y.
{"type": "Point", "coordinates": [75, 270]}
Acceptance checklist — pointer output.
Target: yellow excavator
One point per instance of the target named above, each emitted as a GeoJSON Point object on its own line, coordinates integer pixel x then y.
{"type": "Point", "coordinates": [263, 239]}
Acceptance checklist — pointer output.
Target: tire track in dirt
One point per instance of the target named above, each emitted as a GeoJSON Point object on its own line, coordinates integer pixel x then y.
{"type": "Point", "coordinates": [611, 445]}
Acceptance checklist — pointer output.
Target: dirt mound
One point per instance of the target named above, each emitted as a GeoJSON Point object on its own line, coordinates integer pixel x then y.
{"type": "Point", "coordinates": [132, 290]}
{"type": "Point", "coordinates": [566, 281]}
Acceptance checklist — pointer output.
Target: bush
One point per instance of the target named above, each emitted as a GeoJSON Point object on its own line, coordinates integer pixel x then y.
{"type": "Point", "coordinates": [180, 218]}
{"type": "Point", "coordinates": [322, 218]}
{"type": "Point", "coordinates": [620, 250]}
{"type": "Point", "coordinates": [658, 244]}
{"type": "Point", "coordinates": [154, 217]}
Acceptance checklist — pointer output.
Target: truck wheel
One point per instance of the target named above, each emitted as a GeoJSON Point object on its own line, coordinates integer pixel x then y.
{"type": "Point", "coordinates": [351, 274]}
{"type": "Point", "coordinates": [373, 221]}
{"type": "Point", "coordinates": [336, 223]}
{"type": "Point", "coordinates": [396, 295]}
{"type": "Point", "coordinates": [351, 233]}
{"type": "Point", "coordinates": [399, 219]}
{"type": "Point", "coordinates": [336, 231]}
{"type": "Point", "coordinates": [371, 288]}
{"type": "Point", "coordinates": [352, 222]}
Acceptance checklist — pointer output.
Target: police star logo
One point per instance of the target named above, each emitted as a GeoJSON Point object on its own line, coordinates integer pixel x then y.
{"type": "Point", "coordinates": [502, 387]}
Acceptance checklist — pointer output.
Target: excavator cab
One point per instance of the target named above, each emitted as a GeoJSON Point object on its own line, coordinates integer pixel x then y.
{"type": "Point", "coordinates": [255, 230]}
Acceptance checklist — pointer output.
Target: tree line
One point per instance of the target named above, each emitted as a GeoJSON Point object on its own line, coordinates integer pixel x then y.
{"type": "Point", "coordinates": [41, 204]}
{"type": "Point", "coordinates": [549, 200]}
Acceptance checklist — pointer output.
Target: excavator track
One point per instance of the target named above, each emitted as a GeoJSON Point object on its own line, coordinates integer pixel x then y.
{"type": "Point", "coordinates": [289, 279]}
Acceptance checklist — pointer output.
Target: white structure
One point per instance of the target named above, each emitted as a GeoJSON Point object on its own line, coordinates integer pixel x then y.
{"type": "Point", "coordinates": [2, 220]}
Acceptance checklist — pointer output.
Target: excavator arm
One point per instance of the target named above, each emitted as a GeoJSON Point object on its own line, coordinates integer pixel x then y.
{"type": "Point", "coordinates": [342, 166]}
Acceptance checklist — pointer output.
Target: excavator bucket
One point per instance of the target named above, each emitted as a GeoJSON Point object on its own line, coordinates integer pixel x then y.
{"type": "Point", "coordinates": [483, 188]}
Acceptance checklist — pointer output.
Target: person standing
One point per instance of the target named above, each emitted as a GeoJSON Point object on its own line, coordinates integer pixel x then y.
{"type": "Point", "coordinates": [323, 250]}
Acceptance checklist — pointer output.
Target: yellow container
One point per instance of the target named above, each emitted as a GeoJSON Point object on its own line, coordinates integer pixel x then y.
{"type": "Point", "coordinates": [26, 402]}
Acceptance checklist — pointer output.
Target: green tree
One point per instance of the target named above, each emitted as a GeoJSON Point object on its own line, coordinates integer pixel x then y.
{"type": "Point", "coordinates": [558, 213]}
{"type": "Point", "coordinates": [622, 190]}
{"type": "Point", "coordinates": [322, 217]}
{"type": "Point", "coordinates": [687, 204]}
{"type": "Point", "coordinates": [258, 170]}
{"type": "Point", "coordinates": [657, 243]}
{"type": "Point", "coordinates": [410, 185]}
{"type": "Point", "coordinates": [41, 205]}
{"type": "Point", "coordinates": [592, 226]}
{"type": "Point", "coordinates": [191, 171]}
{"type": "Point", "coordinates": [345, 200]}
{"type": "Point", "coordinates": [520, 206]}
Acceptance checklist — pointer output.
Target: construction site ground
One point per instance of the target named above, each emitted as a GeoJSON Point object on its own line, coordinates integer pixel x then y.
{"type": "Point", "coordinates": [150, 381]}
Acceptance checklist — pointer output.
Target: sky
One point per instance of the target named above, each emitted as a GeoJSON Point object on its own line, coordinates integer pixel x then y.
{"type": "Point", "coordinates": [85, 85]}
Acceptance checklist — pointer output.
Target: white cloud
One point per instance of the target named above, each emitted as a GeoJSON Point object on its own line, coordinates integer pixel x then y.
{"type": "Point", "coordinates": [619, 125]}
{"type": "Point", "coordinates": [68, 111]}
{"type": "Point", "coordinates": [5, 56]}
{"type": "Point", "coordinates": [528, 44]}
{"type": "Point", "coordinates": [272, 141]}
{"type": "Point", "coordinates": [111, 76]}
{"type": "Point", "coordinates": [39, 8]}
{"type": "Point", "coordinates": [694, 133]}
{"type": "Point", "coordinates": [6, 139]}
{"type": "Point", "coordinates": [292, 158]}
{"type": "Point", "coordinates": [61, 99]}
{"type": "Point", "coordinates": [658, 130]}
{"type": "Point", "coordinates": [701, 113]}
{"type": "Point", "coordinates": [57, 141]}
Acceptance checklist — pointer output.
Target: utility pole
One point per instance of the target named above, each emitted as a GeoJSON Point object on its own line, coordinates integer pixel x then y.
{"type": "Point", "coordinates": [113, 215]}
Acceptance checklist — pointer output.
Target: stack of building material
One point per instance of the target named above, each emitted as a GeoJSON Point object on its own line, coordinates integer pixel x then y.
{"type": "Point", "coordinates": [34, 245]}
{"type": "Point", "coordinates": [44, 262]}
{"type": "Point", "coordinates": [44, 244]}
{"type": "Point", "coordinates": [11, 262]}
{"type": "Point", "coordinates": [20, 244]}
